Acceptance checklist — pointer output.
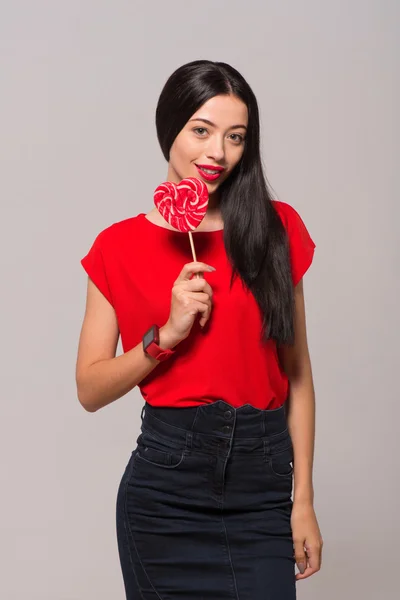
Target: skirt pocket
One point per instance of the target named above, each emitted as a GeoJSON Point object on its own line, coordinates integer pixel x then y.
{"type": "Point", "coordinates": [281, 464]}
{"type": "Point", "coordinates": [279, 456]}
{"type": "Point", "coordinates": [158, 451]}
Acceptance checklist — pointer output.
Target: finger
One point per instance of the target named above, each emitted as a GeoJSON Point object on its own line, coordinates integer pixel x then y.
{"type": "Point", "coordinates": [199, 307]}
{"type": "Point", "coordinates": [300, 555]}
{"type": "Point", "coordinates": [194, 267]}
{"type": "Point", "coordinates": [198, 297]}
{"type": "Point", "coordinates": [304, 575]}
{"type": "Point", "coordinates": [313, 554]}
{"type": "Point", "coordinates": [205, 317]}
{"type": "Point", "coordinates": [196, 285]}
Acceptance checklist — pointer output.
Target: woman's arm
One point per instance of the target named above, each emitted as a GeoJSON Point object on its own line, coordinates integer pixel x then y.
{"type": "Point", "coordinates": [295, 361]}
{"type": "Point", "coordinates": [307, 539]}
{"type": "Point", "coordinates": [101, 377]}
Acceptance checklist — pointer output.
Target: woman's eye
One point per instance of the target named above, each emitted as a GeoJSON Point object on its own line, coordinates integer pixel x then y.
{"type": "Point", "coordinates": [199, 130]}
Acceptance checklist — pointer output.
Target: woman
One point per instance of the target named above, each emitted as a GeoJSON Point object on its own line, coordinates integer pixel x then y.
{"type": "Point", "coordinates": [204, 507]}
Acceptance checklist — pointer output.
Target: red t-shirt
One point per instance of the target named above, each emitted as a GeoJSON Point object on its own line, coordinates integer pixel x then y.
{"type": "Point", "coordinates": [135, 262]}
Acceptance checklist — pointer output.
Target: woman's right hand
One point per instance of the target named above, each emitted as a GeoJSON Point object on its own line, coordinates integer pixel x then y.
{"type": "Point", "coordinates": [189, 297]}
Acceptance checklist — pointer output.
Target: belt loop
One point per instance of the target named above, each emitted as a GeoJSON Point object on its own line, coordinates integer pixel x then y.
{"type": "Point", "coordinates": [141, 414]}
{"type": "Point", "coordinates": [266, 449]}
{"type": "Point", "coordinates": [264, 418]}
{"type": "Point", "coordinates": [189, 439]}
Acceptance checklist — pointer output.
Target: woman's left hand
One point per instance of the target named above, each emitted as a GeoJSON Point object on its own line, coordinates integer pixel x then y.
{"type": "Point", "coordinates": [307, 539]}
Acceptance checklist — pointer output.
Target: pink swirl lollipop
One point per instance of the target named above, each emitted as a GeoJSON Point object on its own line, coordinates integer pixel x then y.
{"type": "Point", "coordinates": [182, 205]}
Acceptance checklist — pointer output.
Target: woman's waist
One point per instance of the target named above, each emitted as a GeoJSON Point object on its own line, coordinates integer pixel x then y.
{"type": "Point", "coordinates": [217, 424]}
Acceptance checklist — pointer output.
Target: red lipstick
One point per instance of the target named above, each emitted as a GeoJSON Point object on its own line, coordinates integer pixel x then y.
{"type": "Point", "coordinates": [210, 176]}
{"type": "Point", "coordinates": [211, 167]}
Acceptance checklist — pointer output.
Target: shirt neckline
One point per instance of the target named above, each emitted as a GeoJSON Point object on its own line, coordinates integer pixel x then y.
{"type": "Point", "coordinates": [176, 231]}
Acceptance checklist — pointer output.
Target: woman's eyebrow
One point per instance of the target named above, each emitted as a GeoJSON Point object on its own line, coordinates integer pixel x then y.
{"type": "Point", "coordinates": [213, 125]}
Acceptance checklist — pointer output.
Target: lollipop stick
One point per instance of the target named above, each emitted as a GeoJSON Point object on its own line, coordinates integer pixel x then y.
{"type": "Point", "coordinates": [198, 275]}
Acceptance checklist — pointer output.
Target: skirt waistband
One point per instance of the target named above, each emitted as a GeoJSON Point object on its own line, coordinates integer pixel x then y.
{"type": "Point", "coordinates": [216, 419]}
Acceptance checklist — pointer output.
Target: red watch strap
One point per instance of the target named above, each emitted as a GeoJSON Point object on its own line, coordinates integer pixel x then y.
{"type": "Point", "coordinates": [158, 353]}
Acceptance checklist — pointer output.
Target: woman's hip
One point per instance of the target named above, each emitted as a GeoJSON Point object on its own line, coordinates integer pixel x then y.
{"type": "Point", "coordinates": [215, 456]}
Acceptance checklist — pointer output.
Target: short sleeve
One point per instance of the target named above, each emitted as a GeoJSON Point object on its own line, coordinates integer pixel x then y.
{"type": "Point", "coordinates": [300, 242]}
{"type": "Point", "coordinates": [94, 265]}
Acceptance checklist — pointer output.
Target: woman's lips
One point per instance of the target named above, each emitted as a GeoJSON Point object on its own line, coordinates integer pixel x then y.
{"type": "Point", "coordinates": [208, 176]}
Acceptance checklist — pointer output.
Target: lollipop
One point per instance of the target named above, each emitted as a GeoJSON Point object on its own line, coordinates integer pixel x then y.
{"type": "Point", "coordinates": [183, 205]}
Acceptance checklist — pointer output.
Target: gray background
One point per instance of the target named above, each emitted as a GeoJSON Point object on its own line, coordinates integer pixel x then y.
{"type": "Point", "coordinates": [79, 86]}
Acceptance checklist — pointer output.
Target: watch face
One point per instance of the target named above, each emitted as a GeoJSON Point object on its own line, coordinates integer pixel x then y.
{"type": "Point", "coordinates": [148, 337]}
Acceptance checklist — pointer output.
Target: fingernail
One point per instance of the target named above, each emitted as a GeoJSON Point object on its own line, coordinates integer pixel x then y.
{"type": "Point", "coordinates": [212, 268]}
{"type": "Point", "coordinates": [302, 567]}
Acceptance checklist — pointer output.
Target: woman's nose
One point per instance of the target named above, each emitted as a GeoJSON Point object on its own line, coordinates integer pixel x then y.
{"type": "Point", "coordinates": [215, 150]}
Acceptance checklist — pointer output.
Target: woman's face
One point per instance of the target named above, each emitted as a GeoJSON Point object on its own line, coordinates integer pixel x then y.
{"type": "Point", "coordinates": [214, 136]}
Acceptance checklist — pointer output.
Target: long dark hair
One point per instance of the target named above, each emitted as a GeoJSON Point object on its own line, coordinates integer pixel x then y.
{"type": "Point", "coordinates": [254, 236]}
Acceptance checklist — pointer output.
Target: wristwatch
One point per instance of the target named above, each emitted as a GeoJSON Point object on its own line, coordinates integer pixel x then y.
{"type": "Point", "coordinates": [151, 340]}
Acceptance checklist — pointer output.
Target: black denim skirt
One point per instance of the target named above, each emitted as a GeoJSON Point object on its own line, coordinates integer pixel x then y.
{"type": "Point", "coordinates": [204, 505]}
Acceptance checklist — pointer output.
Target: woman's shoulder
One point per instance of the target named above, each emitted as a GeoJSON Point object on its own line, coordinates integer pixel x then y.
{"type": "Point", "coordinates": [291, 219]}
{"type": "Point", "coordinates": [120, 230]}
{"type": "Point", "coordinates": [301, 244]}
{"type": "Point", "coordinates": [286, 211]}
